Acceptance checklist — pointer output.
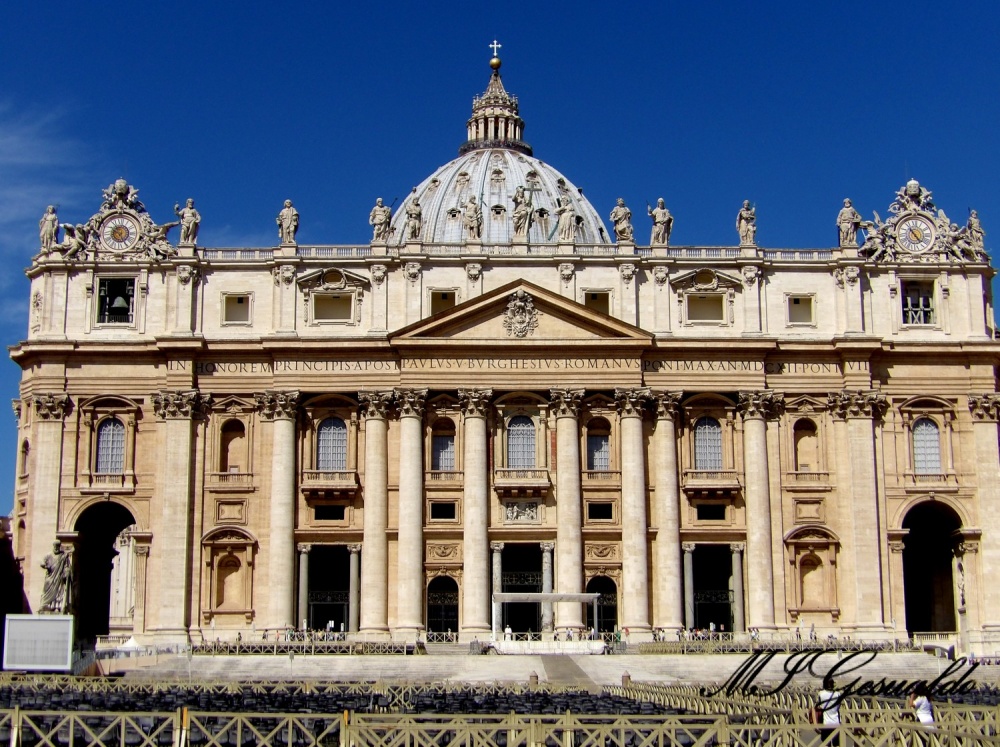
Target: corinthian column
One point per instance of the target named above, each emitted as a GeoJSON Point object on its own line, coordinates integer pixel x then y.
{"type": "Point", "coordinates": [755, 407]}
{"type": "Point", "coordinates": [410, 542]}
{"type": "Point", "coordinates": [475, 515]}
{"type": "Point", "coordinates": [984, 409]}
{"type": "Point", "coordinates": [172, 542]}
{"type": "Point", "coordinates": [569, 509]}
{"type": "Point", "coordinates": [860, 409]}
{"type": "Point", "coordinates": [374, 617]}
{"type": "Point", "coordinates": [279, 409]}
{"type": "Point", "coordinates": [43, 508]}
{"type": "Point", "coordinates": [667, 515]}
{"type": "Point", "coordinates": [635, 555]}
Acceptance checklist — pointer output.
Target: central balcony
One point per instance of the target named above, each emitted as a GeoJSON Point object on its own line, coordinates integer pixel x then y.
{"type": "Point", "coordinates": [711, 483]}
{"type": "Point", "coordinates": [521, 481]}
{"type": "Point", "coordinates": [326, 483]}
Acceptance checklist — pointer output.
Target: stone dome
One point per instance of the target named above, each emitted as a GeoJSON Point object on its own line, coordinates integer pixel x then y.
{"type": "Point", "coordinates": [491, 165]}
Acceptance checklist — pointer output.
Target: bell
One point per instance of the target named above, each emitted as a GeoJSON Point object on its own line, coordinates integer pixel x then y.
{"type": "Point", "coordinates": [120, 303]}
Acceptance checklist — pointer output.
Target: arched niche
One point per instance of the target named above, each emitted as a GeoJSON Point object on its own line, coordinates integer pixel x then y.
{"type": "Point", "coordinates": [811, 583]}
{"type": "Point", "coordinates": [228, 577]}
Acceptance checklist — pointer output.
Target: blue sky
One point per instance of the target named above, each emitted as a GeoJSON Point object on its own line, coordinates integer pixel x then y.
{"type": "Point", "coordinates": [794, 105]}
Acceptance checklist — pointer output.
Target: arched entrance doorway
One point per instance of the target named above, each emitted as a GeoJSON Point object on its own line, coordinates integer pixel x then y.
{"type": "Point", "coordinates": [928, 582]}
{"type": "Point", "coordinates": [607, 604]}
{"type": "Point", "coordinates": [97, 532]}
{"type": "Point", "coordinates": [442, 605]}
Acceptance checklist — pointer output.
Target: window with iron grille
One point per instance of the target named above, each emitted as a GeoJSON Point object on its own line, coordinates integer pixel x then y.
{"type": "Point", "coordinates": [707, 444]}
{"type": "Point", "coordinates": [599, 452]}
{"type": "Point", "coordinates": [331, 445]}
{"type": "Point", "coordinates": [926, 447]}
{"type": "Point", "coordinates": [918, 302]}
{"type": "Point", "coordinates": [521, 443]}
{"type": "Point", "coordinates": [443, 452]}
{"type": "Point", "coordinates": [110, 447]}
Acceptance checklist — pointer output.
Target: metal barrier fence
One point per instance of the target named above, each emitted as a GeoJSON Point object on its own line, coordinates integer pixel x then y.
{"type": "Point", "coordinates": [183, 728]}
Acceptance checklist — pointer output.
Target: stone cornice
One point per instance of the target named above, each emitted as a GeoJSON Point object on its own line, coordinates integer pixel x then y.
{"type": "Point", "coordinates": [566, 402]}
{"type": "Point", "coordinates": [857, 404]}
{"type": "Point", "coordinates": [475, 402]}
{"type": "Point", "coordinates": [50, 406]}
{"type": "Point", "coordinates": [411, 402]}
{"type": "Point", "coordinates": [277, 405]}
{"type": "Point", "coordinates": [375, 405]}
{"type": "Point", "coordinates": [631, 402]}
{"type": "Point", "coordinates": [761, 403]}
{"type": "Point", "coordinates": [169, 404]}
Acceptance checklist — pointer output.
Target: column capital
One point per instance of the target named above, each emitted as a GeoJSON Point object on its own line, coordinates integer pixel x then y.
{"type": "Point", "coordinates": [984, 406]}
{"type": "Point", "coordinates": [475, 402]}
{"type": "Point", "coordinates": [304, 548]}
{"type": "Point", "coordinates": [760, 404]}
{"type": "Point", "coordinates": [857, 404]}
{"type": "Point", "coordinates": [631, 401]}
{"type": "Point", "coordinates": [737, 547]}
{"type": "Point", "coordinates": [566, 402]}
{"type": "Point", "coordinates": [170, 404]}
{"type": "Point", "coordinates": [411, 402]}
{"type": "Point", "coordinates": [50, 406]}
{"type": "Point", "coordinates": [688, 546]}
{"type": "Point", "coordinates": [496, 546]}
{"type": "Point", "coordinates": [667, 404]}
{"type": "Point", "coordinates": [896, 546]}
{"type": "Point", "coordinates": [547, 546]}
{"type": "Point", "coordinates": [277, 405]}
{"type": "Point", "coordinates": [375, 405]}
{"type": "Point", "coordinates": [354, 548]}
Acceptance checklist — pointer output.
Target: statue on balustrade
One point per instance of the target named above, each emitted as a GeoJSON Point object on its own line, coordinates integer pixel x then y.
{"type": "Point", "coordinates": [663, 223]}
{"type": "Point", "coordinates": [848, 223]}
{"type": "Point", "coordinates": [566, 223]}
{"type": "Point", "coordinates": [414, 220]}
{"type": "Point", "coordinates": [379, 219]}
{"type": "Point", "coordinates": [522, 212]}
{"type": "Point", "coordinates": [473, 219]}
{"type": "Point", "coordinates": [48, 229]}
{"type": "Point", "coordinates": [746, 224]}
{"type": "Point", "coordinates": [190, 222]}
{"type": "Point", "coordinates": [621, 217]}
{"type": "Point", "coordinates": [288, 223]}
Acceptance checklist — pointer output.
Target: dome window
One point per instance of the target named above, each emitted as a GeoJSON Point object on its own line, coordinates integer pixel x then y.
{"type": "Point", "coordinates": [499, 211]}
{"type": "Point", "coordinates": [497, 178]}
{"type": "Point", "coordinates": [532, 176]}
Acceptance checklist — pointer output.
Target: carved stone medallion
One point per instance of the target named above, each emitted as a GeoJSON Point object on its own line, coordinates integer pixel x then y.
{"type": "Point", "coordinates": [520, 318]}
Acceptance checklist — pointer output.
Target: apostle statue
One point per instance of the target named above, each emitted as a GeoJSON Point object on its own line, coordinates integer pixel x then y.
{"type": "Point", "coordinates": [746, 224]}
{"type": "Point", "coordinates": [190, 221]}
{"type": "Point", "coordinates": [663, 223]}
{"type": "Point", "coordinates": [414, 220]}
{"type": "Point", "coordinates": [48, 229]}
{"type": "Point", "coordinates": [57, 588]}
{"type": "Point", "coordinates": [848, 222]}
{"type": "Point", "coordinates": [975, 232]}
{"type": "Point", "coordinates": [621, 217]}
{"type": "Point", "coordinates": [379, 219]}
{"type": "Point", "coordinates": [473, 219]}
{"type": "Point", "coordinates": [288, 223]}
{"type": "Point", "coordinates": [566, 223]}
{"type": "Point", "coordinates": [522, 212]}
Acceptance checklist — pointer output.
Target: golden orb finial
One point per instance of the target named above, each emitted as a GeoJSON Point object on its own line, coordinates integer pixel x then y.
{"type": "Point", "coordinates": [495, 61]}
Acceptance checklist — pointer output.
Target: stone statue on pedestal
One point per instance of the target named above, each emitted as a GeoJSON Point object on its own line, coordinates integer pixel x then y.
{"type": "Point", "coordinates": [288, 223]}
{"type": "Point", "coordinates": [848, 222]}
{"type": "Point", "coordinates": [379, 219]}
{"type": "Point", "coordinates": [566, 224]}
{"type": "Point", "coordinates": [621, 217]}
{"type": "Point", "coordinates": [190, 221]}
{"type": "Point", "coordinates": [663, 223]}
{"type": "Point", "coordinates": [522, 212]}
{"type": "Point", "coordinates": [746, 224]}
{"type": "Point", "coordinates": [57, 589]}
{"type": "Point", "coordinates": [48, 229]}
{"type": "Point", "coordinates": [414, 220]}
{"type": "Point", "coordinates": [473, 219]}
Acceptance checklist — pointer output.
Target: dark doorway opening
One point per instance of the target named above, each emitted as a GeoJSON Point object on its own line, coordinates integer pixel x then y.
{"type": "Point", "coordinates": [928, 581]}
{"type": "Point", "coordinates": [607, 604]}
{"type": "Point", "coordinates": [329, 587]}
{"type": "Point", "coordinates": [713, 596]}
{"type": "Point", "coordinates": [522, 572]}
{"type": "Point", "coordinates": [97, 529]}
{"type": "Point", "coordinates": [442, 605]}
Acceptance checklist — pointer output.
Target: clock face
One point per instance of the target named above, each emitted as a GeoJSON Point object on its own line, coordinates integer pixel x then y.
{"type": "Point", "coordinates": [119, 233]}
{"type": "Point", "coordinates": [915, 234]}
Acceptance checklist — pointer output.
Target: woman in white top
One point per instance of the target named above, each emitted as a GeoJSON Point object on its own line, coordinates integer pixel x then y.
{"type": "Point", "coordinates": [828, 708]}
{"type": "Point", "coordinates": [920, 702]}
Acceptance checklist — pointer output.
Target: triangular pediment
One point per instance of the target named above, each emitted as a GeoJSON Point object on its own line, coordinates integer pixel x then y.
{"type": "Point", "coordinates": [521, 313]}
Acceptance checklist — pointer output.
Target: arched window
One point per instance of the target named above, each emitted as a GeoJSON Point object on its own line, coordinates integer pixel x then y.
{"type": "Point", "coordinates": [707, 444]}
{"type": "Point", "coordinates": [806, 446]}
{"type": "Point", "coordinates": [331, 445]}
{"type": "Point", "coordinates": [232, 447]}
{"type": "Point", "coordinates": [521, 443]}
{"type": "Point", "coordinates": [110, 447]}
{"type": "Point", "coordinates": [598, 445]}
{"type": "Point", "coordinates": [25, 452]}
{"type": "Point", "coordinates": [443, 445]}
{"type": "Point", "coordinates": [926, 447]}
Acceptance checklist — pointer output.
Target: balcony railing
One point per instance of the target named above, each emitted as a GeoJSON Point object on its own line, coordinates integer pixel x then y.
{"type": "Point", "coordinates": [806, 480]}
{"type": "Point", "coordinates": [240, 254]}
{"type": "Point", "coordinates": [334, 251]}
{"type": "Point", "coordinates": [520, 480]}
{"type": "Point", "coordinates": [448, 476]}
{"type": "Point", "coordinates": [602, 477]}
{"type": "Point", "coordinates": [329, 482]}
{"type": "Point", "coordinates": [231, 478]}
{"type": "Point", "coordinates": [709, 482]}
{"type": "Point", "coordinates": [108, 480]}
{"type": "Point", "coordinates": [940, 480]}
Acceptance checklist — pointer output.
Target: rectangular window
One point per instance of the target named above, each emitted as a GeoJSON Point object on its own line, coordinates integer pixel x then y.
{"type": "Point", "coordinates": [918, 302]}
{"type": "Point", "coordinates": [236, 308]}
{"type": "Point", "coordinates": [442, 300]}
{"type": "Point", "coordinates": [443, 453]}
{"type": "Point", "coordinates": [443, 511]}
{"type": "Point", "coordinates": [598, 453]}
{"type": "Point", "coordinates": [115, 300]}
{"type": "Point", "coordinates": [333, 307]}
{"type": "Point", "coordinates": [800, 310]}
{"type": "Point", "coordinates": [600, 511]}
{"type": "Point", "coordinates": [598, 301]}
{"type": "Point", "coordinates": [711, 511]}
{"type": "Point", "coordinates": [330, 512]}
{"type": "Point", "coordinates": [705, 308]}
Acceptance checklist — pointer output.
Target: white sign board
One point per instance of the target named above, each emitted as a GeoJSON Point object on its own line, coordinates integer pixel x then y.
{"type": "Point", "coordinates": [38, 643]}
